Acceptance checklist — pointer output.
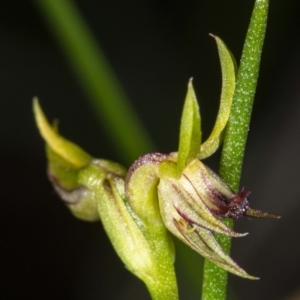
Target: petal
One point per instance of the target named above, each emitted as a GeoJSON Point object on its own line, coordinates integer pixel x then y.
{"type": "Point", "coordinates": [141, 188]}
{"type": "Point", "coordinates": [190, 131]}
{"type": "Point", "coordinates": [228, 84]}
{"type": "Point", "coordinates": [202, 241]}
{"type": "Point", "coordinates": [181, 196]}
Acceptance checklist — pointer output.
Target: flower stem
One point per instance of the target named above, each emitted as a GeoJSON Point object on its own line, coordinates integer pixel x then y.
{"type": "Point", "coordinates": [215, 279]}
{"type": "Point", "coordinates": [94, 73]}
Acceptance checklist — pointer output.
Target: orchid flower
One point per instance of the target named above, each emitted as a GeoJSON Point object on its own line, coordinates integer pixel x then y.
{"type": "Point", "coordinates": [160, 193]}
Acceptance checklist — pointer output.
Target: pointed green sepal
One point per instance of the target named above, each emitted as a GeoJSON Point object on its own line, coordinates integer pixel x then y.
{"type": "Point", "coordinates": [190, 131]}
{"type": "Point", "coordinates": [65, 160]}
{"type": "Point", "coordinates": [203, 241]}
{"type": "Point", "coordinates": [228, 67]}
{"type": "Point", "coordinates": [252, 212]}
{"type": "Point", "coordinates": [67, 152]}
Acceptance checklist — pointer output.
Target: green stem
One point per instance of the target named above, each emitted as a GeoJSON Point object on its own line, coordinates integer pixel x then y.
{"type": "Point", "coordinates": [215, 279]}
{"type": "Point", "coordinates": [165, 284]}
{"type": "Point", "coordinates": [97, 78]}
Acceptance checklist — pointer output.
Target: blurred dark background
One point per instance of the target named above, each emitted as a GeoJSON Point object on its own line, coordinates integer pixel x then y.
{"type": "Point", "coordinates": [154, 47]}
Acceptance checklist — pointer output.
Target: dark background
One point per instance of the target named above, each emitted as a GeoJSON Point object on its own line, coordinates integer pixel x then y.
{"type": "Point", "coordinates": [154, 48]}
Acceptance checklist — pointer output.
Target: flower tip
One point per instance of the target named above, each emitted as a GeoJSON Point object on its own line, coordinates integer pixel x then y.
{"type": "Point", "coordinates": [39, 114]}
{"type": "Point", "coordinates": [36, 108]}
{"type": "Point", "coordinates": [35, 101]}
{"type": "Point", "coordinates": [260, 214]}
{"type": "Point", "coordinates": [236, 234]}
{"type": "Point", "coordinates": [253, 277]}
{"type": "Point", "coordinates": [244, 234]}
{"type": "Point", "coordinates": [271, 216]}
{"type": "Point", "coordinates": [213, 36]}
{"type": "Point", "coordinates": [67, 151]}
{"type": "Point", "coordinates": [244, 274]}
{"type": "Point", "coordinates": [40, 119]}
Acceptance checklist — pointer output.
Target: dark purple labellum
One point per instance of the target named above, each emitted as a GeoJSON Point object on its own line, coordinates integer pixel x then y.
{"type": "Point", "coordinates": [238, 206]}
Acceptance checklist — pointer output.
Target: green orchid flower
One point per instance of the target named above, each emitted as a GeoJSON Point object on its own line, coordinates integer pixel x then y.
{"type": "Point", "coordinates": [192, 198]}
{"type": "Point", "coordinates": [160, 193]}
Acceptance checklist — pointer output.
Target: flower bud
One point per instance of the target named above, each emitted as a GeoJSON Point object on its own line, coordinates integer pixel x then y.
{"type": "Point", "coordinates": [80, 200]}
{"type": "Point", "coordinates": [66, 161]}
{"type": "Point", "coordinates": [107, 192]}
{"type": "Point", "coordinates": [141, 191]}
{"type": "Point", "coordinates": [94, 189]}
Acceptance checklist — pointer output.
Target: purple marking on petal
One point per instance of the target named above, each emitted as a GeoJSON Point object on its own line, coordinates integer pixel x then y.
{"type": "Point", "coordinates": [185, 217]}
{"type": "Point", "coordinates": [185, 237]}
{"type": "Point", "coordinates": [219, 211]}
{"type": "Point", "coordinates": [225, 229]}
{"type": "Point", "coordinates": [215, 195]}
{"type": "Point", "coordinates": [203, 241]}
{"type": "Point", "coordinates": [71, 197]}
{"type": "Point", "coordinates": [190, 196]}
{"type": "Point", "coordinates": [233, 207]}
{"type": "Point", "coordinates": [195, 246]}
{"type": "Point", "coordinates": [150, 158]}
{"type": "Point", "coordinates": [68, 197]}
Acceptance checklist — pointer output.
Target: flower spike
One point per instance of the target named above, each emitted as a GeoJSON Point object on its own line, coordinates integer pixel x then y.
{"type": "Point", "coordinates": [160, 192]}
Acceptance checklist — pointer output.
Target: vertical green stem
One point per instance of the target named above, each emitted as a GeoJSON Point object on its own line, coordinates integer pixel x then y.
{"type": "Point", "coordinates": [215, 279]}
{"type": "Point", "coordinates": [97, 78]}
{"type": "Point", "coordinates": [165, 284]}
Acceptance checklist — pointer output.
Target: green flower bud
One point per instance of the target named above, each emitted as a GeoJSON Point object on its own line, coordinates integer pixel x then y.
{"type": "Point", "coordinates": [107, 191]}
{"type": "Point", "coordinates": [78, 200]}
{"type": "Point", "coordinates": [65, 160]}
{"type": "Point", "coordinates": [81, 200]}
{"type": "Point", "coordinates": [94, 189]}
